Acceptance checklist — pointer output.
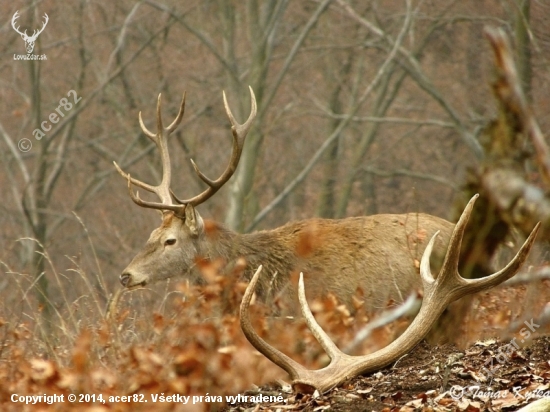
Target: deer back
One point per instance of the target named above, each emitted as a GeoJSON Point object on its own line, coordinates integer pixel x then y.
{"type": "Point", "coordinates": [379, 254]}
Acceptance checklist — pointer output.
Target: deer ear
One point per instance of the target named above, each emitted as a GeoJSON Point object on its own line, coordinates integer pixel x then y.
{"type": "Point", "coordinates": [193, 220]}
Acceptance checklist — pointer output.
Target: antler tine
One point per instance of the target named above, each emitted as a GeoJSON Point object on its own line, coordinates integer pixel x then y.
{"type": "Point", "coordinates": [425, 269]}
{"type": "Point", "coordinates": [469, 286]}
{"type": "Point", "coordinates": [162, 190]}
{"type": "Point", "coordinates": [179, 117]}
{"type": "Point", "coordinates": [239, 132]}
{"type": "Point", "coordinates": [160, 127]}
{"type": "Point", "coordinates": [152, 205]}
{"type": "Point", "coordinates": [153, 136]}
{"type": "Point", "coordinates": [241, 129]}
{"type": "Point", "coordinates": [320, 335]}
{"type": "Point", "coordinates": [449, 269]}
{"type": "Point", "coordinates": [438, 294]}
{"type": "Point", "coordinates": [278, 358]}
{"type": "Point", "coordinates": [449, 278]}
{"type": "Point", "coordinates": [136, 182]}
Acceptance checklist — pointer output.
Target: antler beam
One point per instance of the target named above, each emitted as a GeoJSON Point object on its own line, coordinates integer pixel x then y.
{"type": "Point", "coordinates": [438, 294]}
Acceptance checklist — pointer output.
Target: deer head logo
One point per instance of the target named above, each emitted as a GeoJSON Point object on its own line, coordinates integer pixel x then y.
{"type": "Point", "coordinates": [29, 40]}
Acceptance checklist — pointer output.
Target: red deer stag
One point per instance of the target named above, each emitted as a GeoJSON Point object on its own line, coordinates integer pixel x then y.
{"type": "Point", "coordinates": [447, 287]}
{"type": "Point", "coordinates": [336, 256]}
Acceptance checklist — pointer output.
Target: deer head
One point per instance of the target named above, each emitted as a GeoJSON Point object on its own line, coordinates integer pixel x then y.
{"type": "Point", "coordinates": [29, 40]}
{"type": "Point", "coordinates": [174, 246]}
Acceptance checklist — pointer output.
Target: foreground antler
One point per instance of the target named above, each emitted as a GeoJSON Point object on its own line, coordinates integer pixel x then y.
{"type": "Point", "coordinates": [438, 294]}
{"type": "Point", "coordinates": [163, 191]}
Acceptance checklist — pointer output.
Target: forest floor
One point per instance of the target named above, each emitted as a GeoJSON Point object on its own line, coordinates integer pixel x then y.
{"type": "Point", "coordinates": [488, 376]}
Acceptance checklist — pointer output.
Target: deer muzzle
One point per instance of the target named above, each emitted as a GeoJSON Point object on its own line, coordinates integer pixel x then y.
{"type": "Point", "coordinates": [129, 281]}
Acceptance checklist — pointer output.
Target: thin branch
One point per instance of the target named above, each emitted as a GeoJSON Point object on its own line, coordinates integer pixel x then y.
{"type": "Point", "coordinates": [374, 119]}
{"type": "Point", "coordinates": [16, 153]}
{"type": "Point", "coordinates": [121, 37]}
{"type": "Point", "coordinates": [95, 183]}
{"type": "Point", "coordinates": [336, 133]}
{"type": "Point", "coordinates": [199, 35]}
{"type": "Point", "coordinates": [290, 57]}
{"type": "Point", "coordinates": [408, 308]}
{"type": "Point", "coordinates": [416, 73]}
{"type": "Point", "coordinates": [523, 278]}
{"type": "Point", "coordinates": [410, 173]}
{"type": "Point", "coordinates": [88, 99]}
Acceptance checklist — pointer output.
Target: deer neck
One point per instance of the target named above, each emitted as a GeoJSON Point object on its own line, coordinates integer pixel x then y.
{"type": "Point", "coordinates": [258, 248]}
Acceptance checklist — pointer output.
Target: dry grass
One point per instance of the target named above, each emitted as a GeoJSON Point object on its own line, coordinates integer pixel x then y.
{"type": "Point", "coordinates": [172, 339]}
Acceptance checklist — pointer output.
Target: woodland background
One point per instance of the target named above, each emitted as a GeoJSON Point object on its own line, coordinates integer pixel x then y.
{"type": "Point", "coordinates": [364, 107]}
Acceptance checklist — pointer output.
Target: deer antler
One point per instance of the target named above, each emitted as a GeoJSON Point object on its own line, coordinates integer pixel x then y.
{"type": "Point", "coordinates": [239, 132]}
{"type": "Point", "coordinates": [163, 190]}
{"type": "Point", "coordinates": [438, 294]}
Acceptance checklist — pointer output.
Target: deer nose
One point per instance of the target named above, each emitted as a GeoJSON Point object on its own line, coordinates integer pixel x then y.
{"type": "Point", "coordinates": [125, 279]}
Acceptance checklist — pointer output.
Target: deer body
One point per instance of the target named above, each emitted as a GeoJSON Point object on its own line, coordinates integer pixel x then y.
{"type": "Point", "coordinates": [378, 254]}
{"type": "Point", "coordinates": [336, 256]}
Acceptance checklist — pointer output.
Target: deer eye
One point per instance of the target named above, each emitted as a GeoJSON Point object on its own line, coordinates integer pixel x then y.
{"type": "Point", "coordinates": [169, 242]}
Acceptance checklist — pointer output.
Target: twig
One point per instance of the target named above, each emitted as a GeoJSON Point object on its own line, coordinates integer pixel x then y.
{"type": "Point", "coordinates": [328, 142]}
{"type": "Point", "coordinates": [410, 173]}
{"type": "Point", "coordinates": [410, 306]}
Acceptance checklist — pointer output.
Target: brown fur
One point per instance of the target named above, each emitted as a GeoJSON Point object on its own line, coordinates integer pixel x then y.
{"type": "Point", "coordinates": [379, 254]}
